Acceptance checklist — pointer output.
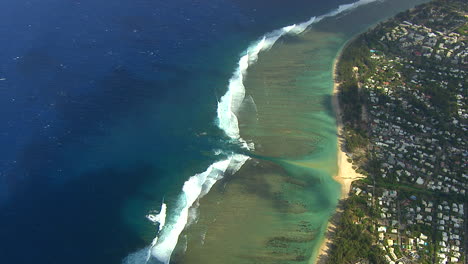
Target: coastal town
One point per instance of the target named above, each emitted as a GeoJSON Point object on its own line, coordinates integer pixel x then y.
{"type": "Point", "coordinates": [403, 91]}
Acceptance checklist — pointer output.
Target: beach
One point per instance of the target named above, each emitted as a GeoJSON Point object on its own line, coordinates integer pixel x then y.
{"type": "Point", "coordinates": [346, 175]}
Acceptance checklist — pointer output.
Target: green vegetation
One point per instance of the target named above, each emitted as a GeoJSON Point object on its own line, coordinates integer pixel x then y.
{"type": "Point", "coordinates": [353, 240]}
{"type": "Point", "coordinates": [355, 138]}
{"type": "Point", "coordinates": [463, 30]}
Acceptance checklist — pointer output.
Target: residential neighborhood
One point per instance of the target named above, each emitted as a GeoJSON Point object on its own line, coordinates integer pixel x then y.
{"type": "Point", "coordinates": [416, 230]}
{"type": "Point", "coordinates": [403, 87]}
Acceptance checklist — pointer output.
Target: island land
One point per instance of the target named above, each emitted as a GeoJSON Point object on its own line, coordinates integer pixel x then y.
{"type": "Point", "coordinates": [400, 100]}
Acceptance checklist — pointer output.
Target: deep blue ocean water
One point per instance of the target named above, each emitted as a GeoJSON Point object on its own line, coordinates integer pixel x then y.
{"type": "Point", "coordinates": [106, 107]}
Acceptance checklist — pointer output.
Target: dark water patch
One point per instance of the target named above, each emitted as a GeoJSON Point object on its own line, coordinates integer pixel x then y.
{"type": "Point", "coordinates": [303, 238]}
{"type": "Point", "coordinates": [278, 257]}
{"type": "Point", "coordinates": [297, 182]}
{"type": "Point", "coordinates": [78, 223]}
{"type": "Point", "coordinates": [82, 119]}
{"type": "Point", "coordinates": [327, 105]}
{"type": "Point", "coordinates": [291, 39]}
{"type": "Point", "coordinates": [116, 93]}
{"type": "Point", "coordinates": [138, 23]}
{"type": "Point", "coordinates": [38, 64]}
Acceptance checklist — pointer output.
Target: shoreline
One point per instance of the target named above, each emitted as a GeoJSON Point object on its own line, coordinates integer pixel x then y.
{"type": "Point", "coordinates": [345, 176]}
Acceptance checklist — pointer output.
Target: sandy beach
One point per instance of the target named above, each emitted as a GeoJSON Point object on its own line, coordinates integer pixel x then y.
{"type": "Point", "coordinates": [345, 175]}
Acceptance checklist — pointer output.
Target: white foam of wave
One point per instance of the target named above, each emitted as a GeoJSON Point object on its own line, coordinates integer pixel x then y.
{"type": "Point", "coordinates": [160, 217]}
{"type": "Point", "coordinates": [217, 152]}
{"type": "Point", "coordinates": [138, 257]}
{"type": "Point", "coordinates": [202, 238]}
{"type": "Point", "coordinates": [194, 188]}
{"type": "Point", "coordinates": [200, 184]}
{"type": "Point", "coordinates": [347, 7]}
{"type": "Point", "coordinates": [230, 103]}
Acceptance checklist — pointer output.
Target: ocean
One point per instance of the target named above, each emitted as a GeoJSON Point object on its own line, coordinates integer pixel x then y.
{"type": "Point", "coordinates": [113, 111]}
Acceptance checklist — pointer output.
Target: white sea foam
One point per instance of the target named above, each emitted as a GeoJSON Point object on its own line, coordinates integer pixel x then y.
{"type": "Point", "coordinates": [159, 218]}
{"type": "Point", "coordinates": [139, 257]}
{"type": "Point", "coordinates": [230, 103]}
{"type": "Point", "coordinates": [194, 188]}
{"type": "Point", "coordinates": [200, 184]}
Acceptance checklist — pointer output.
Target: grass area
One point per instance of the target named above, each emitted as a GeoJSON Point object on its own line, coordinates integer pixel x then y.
{"type": "Point", "coordinates": [463, 30]}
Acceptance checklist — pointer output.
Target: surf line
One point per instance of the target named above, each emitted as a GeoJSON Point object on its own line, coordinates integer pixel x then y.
{"type": "Point", "coordinates": [199, 185]}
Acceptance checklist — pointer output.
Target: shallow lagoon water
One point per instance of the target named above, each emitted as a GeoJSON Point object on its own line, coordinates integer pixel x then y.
{"type": "Point", "coordinates": [276, 208]}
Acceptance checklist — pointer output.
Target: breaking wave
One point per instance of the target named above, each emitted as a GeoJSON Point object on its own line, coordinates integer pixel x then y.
{"type": "Point", "coordinates": [199, 185]}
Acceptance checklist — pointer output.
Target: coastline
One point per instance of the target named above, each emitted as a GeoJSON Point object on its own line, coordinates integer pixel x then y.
{"type": "Point", "coordinates": [345, 176]}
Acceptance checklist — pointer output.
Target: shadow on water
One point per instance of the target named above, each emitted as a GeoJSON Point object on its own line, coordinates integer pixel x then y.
{"type": "Point", "coordinates": [326, 102]}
